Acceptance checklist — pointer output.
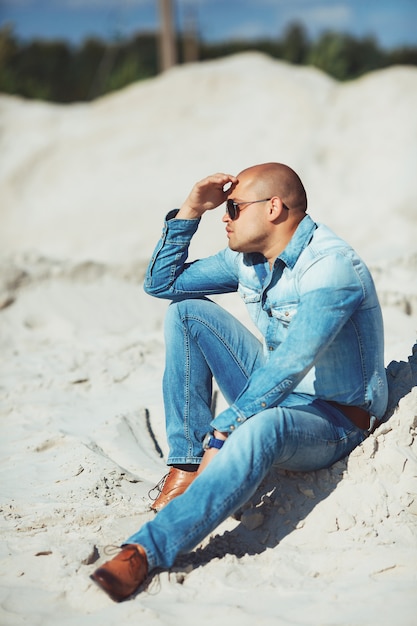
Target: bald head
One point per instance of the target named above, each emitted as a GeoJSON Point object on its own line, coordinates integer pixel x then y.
{"type": "Point", "coordinates": [277, 179]}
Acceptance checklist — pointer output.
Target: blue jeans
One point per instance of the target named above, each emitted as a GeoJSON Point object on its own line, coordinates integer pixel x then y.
{"type": "Point", "coordinates": [302, 434]}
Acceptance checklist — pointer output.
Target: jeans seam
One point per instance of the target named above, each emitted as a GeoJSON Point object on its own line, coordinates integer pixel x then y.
{"type": "Point", "coordinates": [187, 393]}
{"type": "Point", "coordinates": [213, 330]}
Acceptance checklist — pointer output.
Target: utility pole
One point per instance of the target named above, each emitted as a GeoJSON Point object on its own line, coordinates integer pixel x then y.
{"type": "Point", "coordinates": [168, 52]}
{"type": "Point", "coordinates": [190, 36]}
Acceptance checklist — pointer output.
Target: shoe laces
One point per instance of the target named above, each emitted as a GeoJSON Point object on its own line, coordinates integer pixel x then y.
{"type": "Point", "coordinates": [112, 550]}
{"type": "Point", "coordinates": [158, 488]}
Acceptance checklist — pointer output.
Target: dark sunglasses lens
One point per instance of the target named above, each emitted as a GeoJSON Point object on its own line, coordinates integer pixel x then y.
{"type": "Point", "coordinates": [231, 209]}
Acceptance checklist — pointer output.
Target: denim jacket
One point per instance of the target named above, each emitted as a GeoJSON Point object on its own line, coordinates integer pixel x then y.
{"type": "Point", "coordinates": [317, 311]}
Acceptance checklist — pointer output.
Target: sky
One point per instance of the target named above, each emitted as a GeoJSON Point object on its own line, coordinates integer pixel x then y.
{"type": "Point", "coordinates": [393, 23]}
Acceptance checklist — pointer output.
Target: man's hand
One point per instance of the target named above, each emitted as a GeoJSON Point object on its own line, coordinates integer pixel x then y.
{"type": "Point", "coordinates": [206, 195]}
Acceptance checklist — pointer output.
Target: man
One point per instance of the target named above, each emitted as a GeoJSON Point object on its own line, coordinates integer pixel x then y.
{"type": "Point", "coordinates": [300, 400]}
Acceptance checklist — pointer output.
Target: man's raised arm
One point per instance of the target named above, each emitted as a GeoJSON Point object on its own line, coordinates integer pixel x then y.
{"type": "Point", "coordinates": [206, 195]}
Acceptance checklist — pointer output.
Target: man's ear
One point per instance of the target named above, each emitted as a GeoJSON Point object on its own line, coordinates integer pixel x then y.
{"type": "Point", "coordinates": [276, 208]}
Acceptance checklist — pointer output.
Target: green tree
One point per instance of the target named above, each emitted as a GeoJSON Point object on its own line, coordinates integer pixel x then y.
{"type": "Point", "coordinates": [345, 57]}
{"type": "Point", "coordinates": [402, 56]}
{"type": "Point", "coordinates": [122, 63]}
{"type": "Point", "coordinates": [295, 45]}
{"type": "Point", "coordinates": [85, 67]}
{"type": "Point", "coordinates": [329, 55]}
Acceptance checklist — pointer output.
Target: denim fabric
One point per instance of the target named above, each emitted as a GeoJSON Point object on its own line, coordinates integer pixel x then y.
{"type": "Point", "coordinates": [322, 339]}
{"type": "Point", "coordinates": [301, 436]}
{"type": "Point", "coordinates": [202, 340]}
{"type": "Point", "coordinates": [317, 311]}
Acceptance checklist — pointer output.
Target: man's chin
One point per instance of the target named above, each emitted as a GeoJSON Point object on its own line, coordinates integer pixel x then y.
{"type": "Point", "coordinates": [241, 249]}
{"type": "Point", "coordinates": [234, 246]}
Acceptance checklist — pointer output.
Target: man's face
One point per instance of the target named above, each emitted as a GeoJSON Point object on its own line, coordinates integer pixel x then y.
{"type": "Point", "coordinates": [248, 233]}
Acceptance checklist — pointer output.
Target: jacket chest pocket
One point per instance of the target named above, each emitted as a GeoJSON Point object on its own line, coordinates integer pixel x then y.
{"type": "Point", "coordinates": [279, 321]}
{"type": "Point", "coordinates": [283, 314]}
{"type": "Point", "coordinates": [252, 300]}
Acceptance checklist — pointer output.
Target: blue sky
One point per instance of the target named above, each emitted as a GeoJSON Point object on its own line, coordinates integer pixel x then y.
{"type": "Point", "coordinates": [392, 22]}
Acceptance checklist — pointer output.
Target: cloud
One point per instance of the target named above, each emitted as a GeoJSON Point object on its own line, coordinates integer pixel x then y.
{"type": "Point", "coordinates": [245, 30]}
{"type": "Point", "coordinates": [329, 16]}
{"type": "Point", "coordinates": [316, 16]}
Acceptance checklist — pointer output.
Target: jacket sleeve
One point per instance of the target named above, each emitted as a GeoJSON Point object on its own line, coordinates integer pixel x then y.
{"type": "Point", "coordinates": [170, 276]}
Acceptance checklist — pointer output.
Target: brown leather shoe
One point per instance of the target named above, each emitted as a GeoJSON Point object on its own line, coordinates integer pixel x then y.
{"type": "Point", "coordinates": [174, 484]}
{"type": "Point", "coordinates": [123, 575]}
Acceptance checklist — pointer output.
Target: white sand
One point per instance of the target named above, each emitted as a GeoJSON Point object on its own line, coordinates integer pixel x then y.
{"type": "Point", "coordinates": [83, 191]}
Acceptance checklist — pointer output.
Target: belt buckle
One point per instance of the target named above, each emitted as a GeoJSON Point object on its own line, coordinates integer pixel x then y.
{"type": "Point", "coordinates": [373, 423]}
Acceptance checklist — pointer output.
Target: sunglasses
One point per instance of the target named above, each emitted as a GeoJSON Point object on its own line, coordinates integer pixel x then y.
{"type": "Point", "coordinates": [233, 210]}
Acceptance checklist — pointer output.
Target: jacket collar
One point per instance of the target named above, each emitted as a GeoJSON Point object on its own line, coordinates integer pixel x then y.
{"type": "Point", "coordinates": [300, 239]}
{"type": "Point", "coordinates": [289, 256]}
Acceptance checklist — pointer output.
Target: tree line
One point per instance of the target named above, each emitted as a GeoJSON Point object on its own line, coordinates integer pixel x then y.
{"type": "Point", "coordinates": [58, 72]}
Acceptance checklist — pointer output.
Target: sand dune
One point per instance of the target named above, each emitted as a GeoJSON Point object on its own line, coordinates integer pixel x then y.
{"type": "Point", "coordinates": [80, 180]}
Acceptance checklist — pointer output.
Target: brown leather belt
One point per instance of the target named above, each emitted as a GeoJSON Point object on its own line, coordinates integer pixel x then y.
{"type": "Point", "coordinates": [361, 418]}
